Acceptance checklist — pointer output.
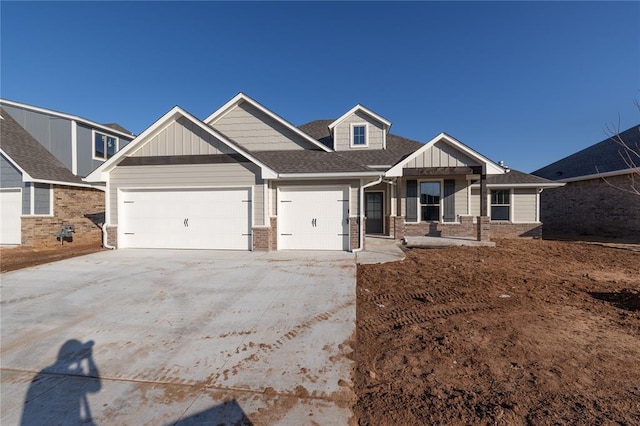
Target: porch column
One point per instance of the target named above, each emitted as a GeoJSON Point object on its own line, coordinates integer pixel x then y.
{"type": "Point", "coordinates": [483, 192]}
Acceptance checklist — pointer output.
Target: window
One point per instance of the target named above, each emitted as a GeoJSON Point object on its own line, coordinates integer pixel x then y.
{"type": "Point", "coordinates": [104, 146]}
{"type": "Point", "coordinates": [500, 204]}
{"type": "Point", "coordinates": [430, 200]}
{"type": "Point", "coordinates": [359, 135]}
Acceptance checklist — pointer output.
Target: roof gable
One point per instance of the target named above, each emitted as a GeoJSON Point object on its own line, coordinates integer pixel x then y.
{"type": "Point", "coordinates": [465, 152]}
{"type": "Point", "coordinates": [274, 130]}
{"type": "Point", "coordinates": [32, 159]}
{"type": "Point", "coordinates": [360, 108]}
{"type": "Point", "coordinates": [186, 121]}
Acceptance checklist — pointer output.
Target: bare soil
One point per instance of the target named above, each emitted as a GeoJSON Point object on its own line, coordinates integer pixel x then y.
{"type": "Point", "coordinates": [24, 257]}
{"type": "Point", "coordinates": [528, 332]}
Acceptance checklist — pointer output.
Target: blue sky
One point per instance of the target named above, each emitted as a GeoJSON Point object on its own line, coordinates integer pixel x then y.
{"type": "Point", "coordinates": [527, 83]}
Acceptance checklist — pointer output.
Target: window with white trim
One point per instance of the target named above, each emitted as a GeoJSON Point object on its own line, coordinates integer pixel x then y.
{"type": "Point", "coordinates": [430, 201]}
{"type": "Point", "coordinates": [500, 204]}
{"type": "Point", "coordinates": [104, 146]}
{"type": "Point", "coordinates": [359, 135]}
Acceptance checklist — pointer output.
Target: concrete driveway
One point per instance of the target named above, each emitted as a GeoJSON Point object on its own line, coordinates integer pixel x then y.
{"type": "Point", "coordinates": [179, 337]}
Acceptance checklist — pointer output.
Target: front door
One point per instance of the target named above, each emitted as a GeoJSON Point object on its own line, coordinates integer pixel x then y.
{"type": "Point", "coordinates": [373, 212]}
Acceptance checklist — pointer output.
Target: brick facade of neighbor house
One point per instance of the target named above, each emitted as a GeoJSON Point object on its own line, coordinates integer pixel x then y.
{"type": "Point", "coordinates": [80, 207]}
{"type": "Point", "coordinates": [593, 208]}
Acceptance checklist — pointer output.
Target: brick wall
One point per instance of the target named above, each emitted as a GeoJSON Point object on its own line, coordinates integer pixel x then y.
{"type": "Point", "coordinates": [592, 207]}
{"type": "Point", "coordinates": [261, 239]}
{"type": "Point", "coordinates": [354, 232]}
{"type": "Point", "coordinates": [515, 230]}
{"type": "Point", "coordinates": [112, 236]}
{"type": "Point", "coordinates": [467, 228]}
{"type": "Point", "coordinates": [81, 207]}
{"type": "Point", "coordinates": [396, 227]}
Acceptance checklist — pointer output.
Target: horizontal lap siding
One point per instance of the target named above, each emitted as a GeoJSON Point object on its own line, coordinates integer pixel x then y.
{"type": "Point", "coordinates": [256, 131]}
{"type": "Point", "coordinates": [525, 205]}
{"type": "Point", "coordinates": [188, 176]}
{"type": "Point", "coordinates": [343, 132]}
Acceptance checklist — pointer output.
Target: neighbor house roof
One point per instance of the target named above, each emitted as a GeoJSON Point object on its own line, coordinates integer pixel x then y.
{"type": "Point", "coordinates": [603, 158]}
{"type": "Point", "coordinates": [112, 127]}
{"type": "Point", "coordinates": [32, 159]}
{"type": "Point", "coordinates": [397, 147]}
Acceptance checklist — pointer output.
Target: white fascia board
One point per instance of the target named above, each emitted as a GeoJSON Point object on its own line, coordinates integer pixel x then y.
{"type": "Point", "coordinates": [327, 175]}
{"type": "Point", "coordinates": [241, 97]}
{"type": "Point", "coordinates": [491, 168]}
{"type": "Point", "coordinates": [377, 117]}
{"type": "Point", "coordinates": [25, 176]}
{"type": "Point", "coordinates": [635, 170]}
{"type": "Point", "coordinates": [63, 183]}
{"type": "Point", "coordinates": [67, 116]}
{"type": "Point", "coordinates": [99, 174]}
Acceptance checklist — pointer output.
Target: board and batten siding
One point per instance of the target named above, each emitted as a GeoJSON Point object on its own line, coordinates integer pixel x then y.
{"type": "Point", "coordinates": [84, 135]}
{"type": "Point", "coordinates": [342, 132]}
{"type": "Point", "coordinates": [441, 154]}
{"type": "Point", "coordinates": [188, 176]}
{"type": "Point", "coordinates": [460, 195]}
{"type": "Point", "coordinates": [54, 133]}
{"type": "Point", "coordinates": [525, 205]}
{"type": "Point", "coordinates": [255, 130]}
{"type": "Point", "coordinates": [182, 137]}
{"type": "Point", "coordinates": [10, 177]}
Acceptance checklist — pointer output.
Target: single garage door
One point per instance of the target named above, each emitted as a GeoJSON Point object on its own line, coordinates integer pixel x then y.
{"type": "Point", "coordinates": [185, 219]}
{"type": "Point", "coordinates": [313, 218]}
{"type": "Point", "coordinates": [10, 211]}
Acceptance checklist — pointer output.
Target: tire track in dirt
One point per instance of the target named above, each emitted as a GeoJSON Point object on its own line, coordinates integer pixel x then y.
{"type": "Point", "coordinates": [408, 309]}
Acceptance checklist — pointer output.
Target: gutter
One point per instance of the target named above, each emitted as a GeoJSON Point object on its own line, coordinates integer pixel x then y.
{"type": "Point", "coordinates": [105, 242]}
{"type": "Point", "coordinates": [361, 215]}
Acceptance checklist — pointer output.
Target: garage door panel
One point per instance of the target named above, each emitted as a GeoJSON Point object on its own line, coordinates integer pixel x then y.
{"type": "Point", "coordinates": [313, 218]}
{"type": "Point", "coordinates": [10, 211]}
{"type": "Point", "coordinates": [186, 219]}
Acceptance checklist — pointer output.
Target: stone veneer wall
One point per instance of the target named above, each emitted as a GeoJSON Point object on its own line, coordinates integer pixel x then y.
{"type": "Point", "coordinates": [81, 207]}
{"type": "Point", "coordinates": [593, 207]}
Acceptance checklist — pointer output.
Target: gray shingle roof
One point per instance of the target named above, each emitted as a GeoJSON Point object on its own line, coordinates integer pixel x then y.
{"type": "Point", "coordinates": [602, 157]}
{"type": "Point", "coordinates": [397, 146]}
{"type": "Point", "coordinates": [516, 177]}
{"type": "Point", "coordinates": [308, 161]}
{"type": "Point", "coordinates": [30, 155]}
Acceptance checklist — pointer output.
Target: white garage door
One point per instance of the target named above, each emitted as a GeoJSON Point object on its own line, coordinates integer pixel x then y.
{"type": "Point", "coordinates": [10, 211]}
{"type": "Point", "coordinates": [313, 218]}
{"type": "Point", "coordinates": [185, 219]}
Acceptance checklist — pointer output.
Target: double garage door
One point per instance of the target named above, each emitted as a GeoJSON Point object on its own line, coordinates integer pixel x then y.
{"type": "Point", "coordinates": [185, 219]}
{"type": "Point", "coordinates": [313, 218]}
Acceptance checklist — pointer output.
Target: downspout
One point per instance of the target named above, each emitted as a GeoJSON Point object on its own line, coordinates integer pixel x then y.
{"type": "Point", "coordinates": [105, 239]}
{"type": "Point", "coordinates": [361, 216]}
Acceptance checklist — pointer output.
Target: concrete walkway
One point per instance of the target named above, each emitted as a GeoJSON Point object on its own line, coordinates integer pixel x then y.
{"type": "Point", "coordinates": [380, 250]}
{"type": "Point", "coordinates": [440, 242]}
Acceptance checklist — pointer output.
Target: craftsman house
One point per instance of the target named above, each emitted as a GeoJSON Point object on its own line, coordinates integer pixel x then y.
{"type": "Point", "coordinates": [44, 155]}
{"type": "Point", "coordinates": [601, 197]}
{"type": "Point", "coordinates": [245, 178]}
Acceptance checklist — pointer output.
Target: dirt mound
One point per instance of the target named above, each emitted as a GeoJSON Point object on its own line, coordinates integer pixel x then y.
{"type": "Point", "coordinates": [531, 331]}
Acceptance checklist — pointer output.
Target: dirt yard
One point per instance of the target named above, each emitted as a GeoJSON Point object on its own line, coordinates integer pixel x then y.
{"type": "Point", "coordinates": [23, 257]}
{"type": "Point", "coordinates": [529, 332]}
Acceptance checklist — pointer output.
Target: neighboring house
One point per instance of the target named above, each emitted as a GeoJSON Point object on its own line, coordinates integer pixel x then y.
{"type": "Point", "coordinates": [596, 200]}
{"type": "Point", "coordinates": [44, 155]}
{"type": "Point", "coordinates": [244, 178]}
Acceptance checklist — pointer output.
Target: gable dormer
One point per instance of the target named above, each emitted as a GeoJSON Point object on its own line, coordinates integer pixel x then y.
{"type": "Point", "coordinates": [358, 129]}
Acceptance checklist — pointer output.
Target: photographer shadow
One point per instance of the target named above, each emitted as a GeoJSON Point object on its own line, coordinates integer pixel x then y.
{"type": "Point", "coordinates": [58, 393]}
